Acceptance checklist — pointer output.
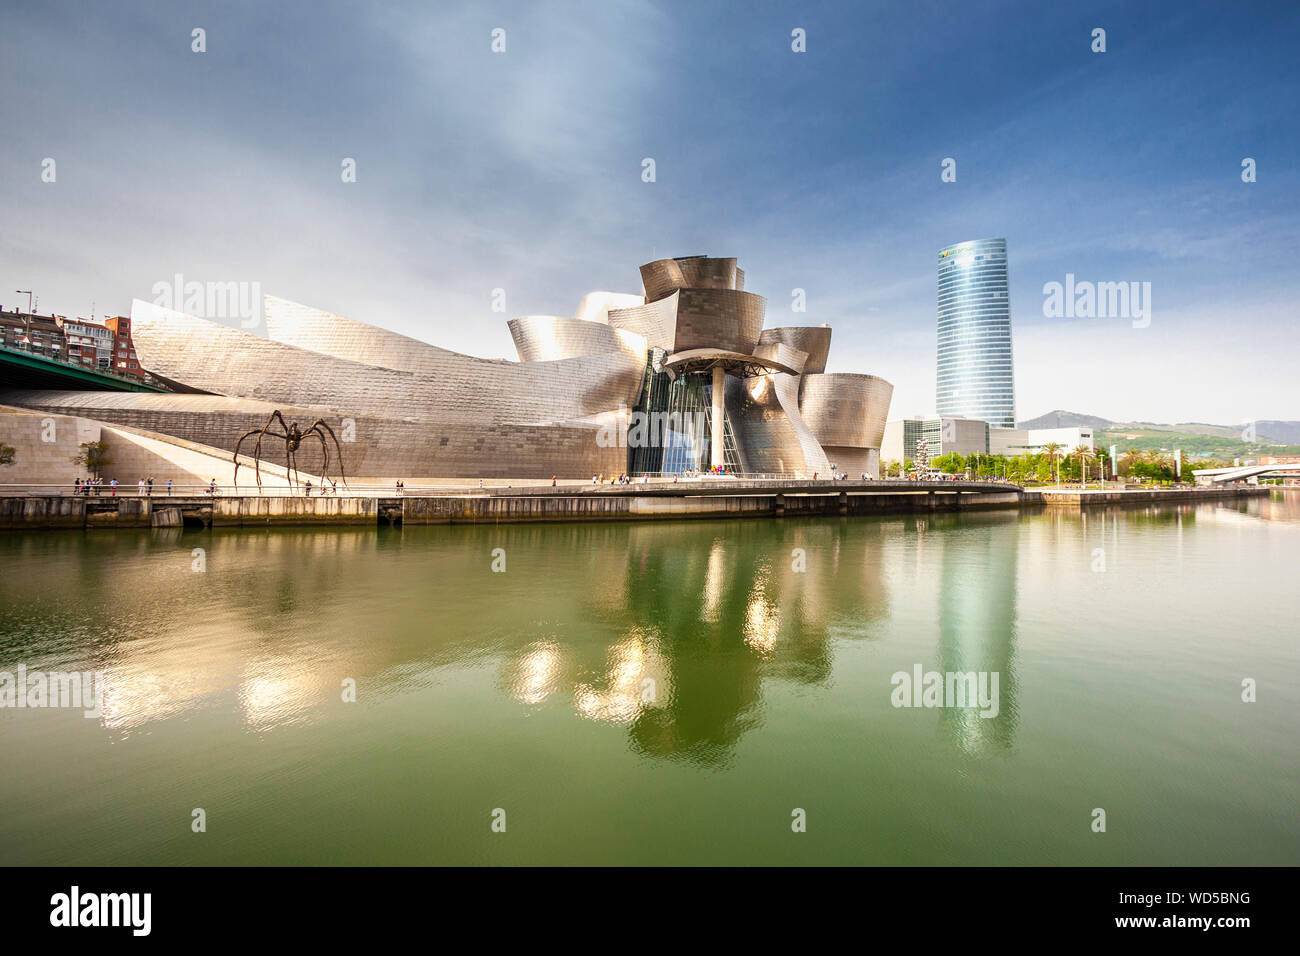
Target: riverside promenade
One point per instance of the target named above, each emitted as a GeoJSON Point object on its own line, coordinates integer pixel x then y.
{"type": "Point", "coordinates": [702, 498]}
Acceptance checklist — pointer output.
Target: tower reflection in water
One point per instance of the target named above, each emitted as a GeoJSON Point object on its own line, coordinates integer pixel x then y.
{"type": "Point", "coordinates": [670, 630]}
{"type": "Point", "coordinates": [977, 624]}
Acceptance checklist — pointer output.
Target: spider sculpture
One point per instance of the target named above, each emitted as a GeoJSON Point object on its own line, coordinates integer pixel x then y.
{"type": "Point", "coordinates": [293, 437]}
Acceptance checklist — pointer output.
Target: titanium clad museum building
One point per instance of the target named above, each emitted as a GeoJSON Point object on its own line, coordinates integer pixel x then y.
{"type": "Point", "coordinates": [681, 377]}
{"type": "Point", "coordinates": [974, 377]}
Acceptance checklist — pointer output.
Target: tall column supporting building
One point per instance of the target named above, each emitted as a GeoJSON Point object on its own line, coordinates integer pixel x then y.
{"type": "Point", "coordinates": [715, 445]}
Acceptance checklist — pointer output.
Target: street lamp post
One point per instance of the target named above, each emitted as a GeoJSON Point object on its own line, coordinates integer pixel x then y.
{"type": "Point", "coordinates": [27, 322]}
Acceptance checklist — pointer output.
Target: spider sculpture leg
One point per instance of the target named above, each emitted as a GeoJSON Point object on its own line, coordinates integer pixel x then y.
{"type": "Point", "coordinates": [320, 425]}
{"type": "Point", "coordinates": [235, 457]}
{"type": "Point", "coordinates": [257, 449]}
{"type": "Point", "coordinates": [257, 455]}
{"type": "Point", "coordinates": [325, 468]}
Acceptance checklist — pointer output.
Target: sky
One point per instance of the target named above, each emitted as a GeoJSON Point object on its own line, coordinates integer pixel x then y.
{"type": "Point", "coordinates": [820, 170]}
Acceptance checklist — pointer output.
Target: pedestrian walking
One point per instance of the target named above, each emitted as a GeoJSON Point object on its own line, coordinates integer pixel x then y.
{"type": "Point", "coordinates": [112, 488]}
{"type": "Point", "coordinates": [148, 486]}
{"type": "Point", "coordinates": [140, 487]}
{"type": "Point", "coordinates": [169, 487]}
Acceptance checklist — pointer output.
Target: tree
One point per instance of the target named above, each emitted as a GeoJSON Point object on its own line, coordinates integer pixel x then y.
{"type": "Point", "coordinates": [6, 454]}
{"type": "Point", "coordinates": [1051, 450]}
{"type": "Point", "coordinates": [950, 463]}
{"type": "Point", "coordinates": [1131, 459]}
{"type": "Point", "coordinates": [94, 456]}
{"type": "Point", "coordinates": [1085, 453]}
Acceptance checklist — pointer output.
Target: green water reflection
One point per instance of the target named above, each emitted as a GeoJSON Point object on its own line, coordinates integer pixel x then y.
{"type": "Point", "coordinates": [662, 692]}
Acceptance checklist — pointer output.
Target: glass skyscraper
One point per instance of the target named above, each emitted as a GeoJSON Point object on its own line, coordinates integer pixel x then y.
{"type": "Point", "coordinates": [975, 377]}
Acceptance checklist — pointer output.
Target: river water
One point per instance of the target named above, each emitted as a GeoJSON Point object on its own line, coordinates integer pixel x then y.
{"type": "Point", "coordinates": [662, 692]}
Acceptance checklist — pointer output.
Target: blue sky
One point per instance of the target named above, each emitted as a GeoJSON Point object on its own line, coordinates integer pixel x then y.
{"type": "Point", "coordinates": [819, 171]}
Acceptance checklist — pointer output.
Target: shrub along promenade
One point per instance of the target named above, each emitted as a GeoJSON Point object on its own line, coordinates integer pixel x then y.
{"type": "Point", "coordinates": [32, 508]}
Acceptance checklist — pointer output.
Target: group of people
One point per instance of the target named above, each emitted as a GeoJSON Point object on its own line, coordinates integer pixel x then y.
{"type": "Point", "coordinates": [90, 487]}
{"type": "Point", "coordinates": [620, 480]}
{"type": "Point", "coordinates": [146, 486]}
{"type": "Point", "coordinates": [332, 488]}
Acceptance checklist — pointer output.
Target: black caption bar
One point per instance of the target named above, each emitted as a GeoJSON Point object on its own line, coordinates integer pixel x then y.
{"type": "Point", "coordinates": [297, 905]}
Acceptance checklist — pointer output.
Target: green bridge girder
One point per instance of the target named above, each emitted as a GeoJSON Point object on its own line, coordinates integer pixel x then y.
{"type": "Point", "coordinates": [27, 370]}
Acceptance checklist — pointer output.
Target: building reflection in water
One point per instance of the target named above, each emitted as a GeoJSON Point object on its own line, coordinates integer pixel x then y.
{"type": "Point", "coordinates": [705, 619]}
{"type": "Point", "coordinates": [667, 630]}
{"type": "Point", "coordinates": [977, 623]}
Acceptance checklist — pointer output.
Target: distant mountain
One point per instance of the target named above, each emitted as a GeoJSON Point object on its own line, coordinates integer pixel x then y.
{"type": "Point", "coordinates": [1061, 419]}
{"type": "Point", "coordinates": [1288, 433]}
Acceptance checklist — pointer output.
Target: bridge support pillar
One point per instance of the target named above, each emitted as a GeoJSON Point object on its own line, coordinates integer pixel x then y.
{"type": "Point", "coordinates": [844, 502]}
{"type": "Point", "coordinates": [778, 508]}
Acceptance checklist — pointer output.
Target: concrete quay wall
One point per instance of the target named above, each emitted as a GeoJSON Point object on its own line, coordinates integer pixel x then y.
{"type": "Point", "coordinates": [1094, 499]}
{"type": "Point", "coordinates": [540, 505]}
{"type": "Point", "coordinates": [588, 507]}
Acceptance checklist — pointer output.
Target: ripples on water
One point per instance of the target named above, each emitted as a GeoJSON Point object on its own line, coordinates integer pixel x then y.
{"type": "Point", "coordinates": [661, 692]}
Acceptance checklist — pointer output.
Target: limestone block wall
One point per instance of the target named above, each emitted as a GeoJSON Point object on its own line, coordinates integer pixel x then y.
{"type": "Point", "coordinates": [137, 454]}
{"type": "Point", "coordinates": [383, 448]}
{"type": "Point", "coordinates": [44, 445]}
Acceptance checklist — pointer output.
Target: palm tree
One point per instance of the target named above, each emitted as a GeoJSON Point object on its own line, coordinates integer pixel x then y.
{"type": "Point", "coordinates": [1052, 449]}
{"type": "Point", "coordinates": [1084, 453]}
{"type": "Point", "coordinates": [1135, 456]}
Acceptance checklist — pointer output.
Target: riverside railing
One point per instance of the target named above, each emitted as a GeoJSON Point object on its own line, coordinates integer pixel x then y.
{"type": "Point", "coordinates": [191, 490]}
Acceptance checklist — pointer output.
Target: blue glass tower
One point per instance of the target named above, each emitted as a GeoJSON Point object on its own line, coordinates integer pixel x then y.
{"type": "Point", "coordinates": [975, 377]}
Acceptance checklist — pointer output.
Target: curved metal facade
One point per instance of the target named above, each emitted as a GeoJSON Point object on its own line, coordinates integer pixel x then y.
{"type": "Point", "coordinates": [448, 383]}
{"type": "Point", "coordinates": [655, 321]}
{"type": "Point", "coordinates": [846, 409]}
{"type": "Point", "coordinates": [812, 339]}
{"type": "Point", "coordinates": [549, 338]}
{"type": "Point", "coordinates": [975, 376]}
{"type": "Point", "coordinates": [664, 276]}
{"type": "Point", "coordinates": [419, 411]}
{"type": "Point", "coordinates": [596, 306]}
{"type": "Point", "coordinates": [718, 318]}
